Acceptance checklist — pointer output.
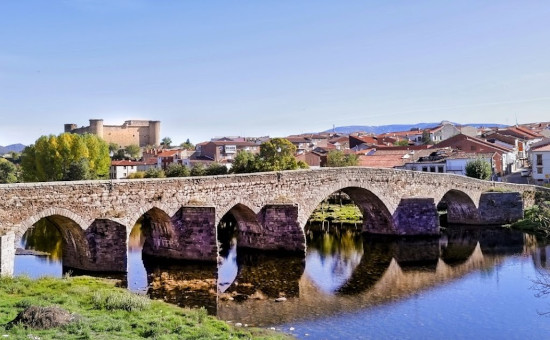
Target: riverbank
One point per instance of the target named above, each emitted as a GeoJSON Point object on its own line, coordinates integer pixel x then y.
{"type": "Point", "coordinates": [336, 213]}
{"type": "Point", "coordinates": [102, 311]}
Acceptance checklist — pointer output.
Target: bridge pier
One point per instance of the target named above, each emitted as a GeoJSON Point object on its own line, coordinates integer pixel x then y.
{"type": "Point", "coordinates": [500, 207]}
{"type": "Point", "coordinates": [279, 230]}
{"type": "Point", "coordinates": [416, 216]}
{"type": "Point", "coordinates": [7, 254]}
{"type": "Point", "coordinates": [189, 235]}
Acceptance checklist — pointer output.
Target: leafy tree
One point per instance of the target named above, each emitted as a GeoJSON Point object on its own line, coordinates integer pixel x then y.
{"type": "Point", "coordinates": [166, 141]}
{"type": "Point", "coordinates": [426, 137]}
{"type": "Point", "coordinates": [78, 170]}
{"type": "Point", "coordinates": [154, 173]}
{"type": "Point", "coordinates": [337, 158]}
{"type": "Point", "coordinates": [133, 151]}
{"type": "Point", "coordinates": [113, 147]}
{"type": "Point", "coordinates": [302, 165]}
{"type": "Point", "coordinates": [198, 170]}
{"type": "Point", "coordinates": [8, 171]}
{"type": "Point", "coordinates": [216, 169]}
{"type": "Point", "coordinates": [177, 170]}
{"type": "Point", "coordinates": [276, 155]}
{"type": "Point", "coordinates": [244, 162]}
{"type": "Point", "coordinates": [479, 168]}
{"type": "Point", "coordinates": [119, 155]}
{"type": "Point", "coordinates": [56, 158]}
{"type": "Point", "coordinates": [187, 145]}
{"type": "Point", "coordinates": [402, 142]}
{"type": "Point", "coordinates": [137, 174]}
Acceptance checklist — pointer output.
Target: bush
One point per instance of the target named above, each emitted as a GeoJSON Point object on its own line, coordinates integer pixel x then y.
{"type": "Point", "coordinates": [177, 170]}
{"type": "Point", "coordinates": [120, 301]}
{"type": "Point", "coordinates": [155, 173]}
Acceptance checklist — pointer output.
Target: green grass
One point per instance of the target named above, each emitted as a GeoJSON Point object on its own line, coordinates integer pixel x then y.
{"type": "Point", "coordinates": [347, 213]}
{"type": "Point", "coordinates": [106, 312]}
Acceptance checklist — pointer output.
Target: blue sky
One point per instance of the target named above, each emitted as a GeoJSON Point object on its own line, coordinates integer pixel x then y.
{"type": "Point", "coordinates": [273, 67]}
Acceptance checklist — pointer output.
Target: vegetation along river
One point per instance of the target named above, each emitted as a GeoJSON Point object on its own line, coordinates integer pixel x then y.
{"type": "Point", "coordinates": [471, 282]}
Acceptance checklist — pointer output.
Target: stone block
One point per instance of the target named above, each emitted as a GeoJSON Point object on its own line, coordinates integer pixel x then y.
{"type": "Point", "coordinates": [7, 254]}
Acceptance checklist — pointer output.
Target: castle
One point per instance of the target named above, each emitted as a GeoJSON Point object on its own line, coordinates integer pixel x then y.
{"type": "Point", "coordinates": [139, 132]}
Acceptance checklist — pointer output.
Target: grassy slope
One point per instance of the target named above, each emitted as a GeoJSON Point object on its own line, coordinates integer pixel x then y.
{"type": "Point", "coordinates": [129, 317]}
{"type": "Point", "coordinates": [348, 213]}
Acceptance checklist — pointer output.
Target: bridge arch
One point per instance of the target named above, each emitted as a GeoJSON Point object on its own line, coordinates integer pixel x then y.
{"type": "Point", "coordinates": [25, 225]}
{"type": "Point", "coordinates": [461, 208]}
{"type": "Point", "coordinates": [136, 215]}
{"type": "Point", "coordinates": [376, 215]}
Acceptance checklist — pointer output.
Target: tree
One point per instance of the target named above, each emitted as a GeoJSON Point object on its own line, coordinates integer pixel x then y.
{"type": "Point", "coordinates": [244, 162]}
{"type": "Point", "coordinates": [8, 171]}
{"type": "Point", "coordinates": [337, 158]}
{"type": "Point", "coordinates": [187, 145]}
{"type": "Point", "coordinates": [113, 147]}
{"type": "Point", "coordinates": [198, 170]}
{"type": "Point", "coordinates": [276, 155]}
{"type": "Point", "coordinates": [402, 142]}
{"type": "Point", "coordinates": [216, 169]}
{"type": "Point", "coordinates": [154, 173]}
{"type": "Point", "coordinates": [166, 141]}
{"type": "Point", "coordinates": [78, 170]}
{"type": "Point", "coordinates": [65, 157]}
{"type": "Point", "coordinates": [133, 151]}
{"type": "Point", "coordinates": [479, 168]}
{"type": "Point", "coordinates": [426, 137]}
{"type": "Point", "coordinates": [177, 170]}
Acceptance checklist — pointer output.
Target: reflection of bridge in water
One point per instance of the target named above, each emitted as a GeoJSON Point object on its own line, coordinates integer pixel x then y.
{"type": "Point", "coordinates": [388, 271]}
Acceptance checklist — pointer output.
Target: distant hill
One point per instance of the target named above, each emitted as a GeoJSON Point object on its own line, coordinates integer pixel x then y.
{"type": "Point", "coordinates": [398, 127]}
{"type": "Point", "coordinates": [11, 148]}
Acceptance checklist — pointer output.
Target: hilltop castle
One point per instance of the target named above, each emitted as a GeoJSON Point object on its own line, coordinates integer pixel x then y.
{"type": "Point", "coordinates": [139, 132]}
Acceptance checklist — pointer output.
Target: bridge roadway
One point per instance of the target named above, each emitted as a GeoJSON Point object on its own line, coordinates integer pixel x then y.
{"type": "Point", "coordinates": [179, 216]}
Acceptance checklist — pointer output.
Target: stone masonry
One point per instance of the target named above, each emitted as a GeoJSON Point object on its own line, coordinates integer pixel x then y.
{"type": "Point", "coordinates": [271, 208]}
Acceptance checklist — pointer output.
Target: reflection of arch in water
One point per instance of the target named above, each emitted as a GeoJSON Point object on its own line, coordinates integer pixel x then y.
{"type": "Point", "coordinates": [376, 259]}
{"type": "Point", "coordinates": [185, 283]}
{"type": "Point", "coordinates": [332, 258]}
{"type": "Point", "coordinates": [265, 274]}
{"type": "Point", "coordinates": [376, 215]}
{"type": "Point", "coordinates": [460, 207]}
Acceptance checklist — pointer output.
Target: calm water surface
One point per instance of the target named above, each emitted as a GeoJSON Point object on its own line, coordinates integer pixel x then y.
{"type": "Point", "coordinates": [470, 283]}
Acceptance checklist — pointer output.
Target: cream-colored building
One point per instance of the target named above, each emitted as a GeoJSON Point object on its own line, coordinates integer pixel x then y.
{"type": "Point", "coordinates": [138, 132]}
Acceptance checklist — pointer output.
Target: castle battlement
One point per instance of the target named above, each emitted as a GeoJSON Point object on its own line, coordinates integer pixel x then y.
{"type": "Point", "coordinates": [139, 132]}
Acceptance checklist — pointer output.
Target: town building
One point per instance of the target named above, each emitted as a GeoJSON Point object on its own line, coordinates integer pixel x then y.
{"type": "Point", "coordinates": [540, 162]}
{"type": "Point", "coordinates": [132, 132]}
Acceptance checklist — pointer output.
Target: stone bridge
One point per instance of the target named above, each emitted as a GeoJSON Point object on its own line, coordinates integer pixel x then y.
{"type": "Point", "coordinates": [179, 216]}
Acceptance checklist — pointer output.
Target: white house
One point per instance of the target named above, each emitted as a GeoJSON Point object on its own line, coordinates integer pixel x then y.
{"type": "Point", "coordinates": [540, 162]}
{"type": "Point", "coordinates": [122, 169]}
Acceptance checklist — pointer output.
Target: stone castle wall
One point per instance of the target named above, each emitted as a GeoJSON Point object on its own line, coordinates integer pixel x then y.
{"type": "Point", "coordinates": [139, 132]}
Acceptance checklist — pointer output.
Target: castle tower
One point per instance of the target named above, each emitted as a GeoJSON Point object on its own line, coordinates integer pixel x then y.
{"type": "Point", "coordinates": [154, 132]}
{"type": "Point", "coordinates": [96, 127]}
{"type": "Point", "coordinates": [70, 127]}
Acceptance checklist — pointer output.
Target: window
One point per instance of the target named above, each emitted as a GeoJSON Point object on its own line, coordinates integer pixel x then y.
{"type": "Point", "coordinates": [472, 147]}
{"type": "Point", "coordinates": [432, 169]}
{"type": "Point", "coordinates": [425, 168]}
{"type": "Point", "coordinates": [539, 159]}
{"type": "Point", "coordinates": [440, 169]}
{"type": "Point", "coordinates": [539, 170]}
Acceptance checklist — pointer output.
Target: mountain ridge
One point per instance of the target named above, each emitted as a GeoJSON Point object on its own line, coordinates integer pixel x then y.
{"type": "Point", "coordinates": [11, 148]}
{"type": "Point", "coordinates": [379, 129]}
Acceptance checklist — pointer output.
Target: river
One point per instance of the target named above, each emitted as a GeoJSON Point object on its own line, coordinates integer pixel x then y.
{"type": "Point", "coordinates": [471, 282]}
